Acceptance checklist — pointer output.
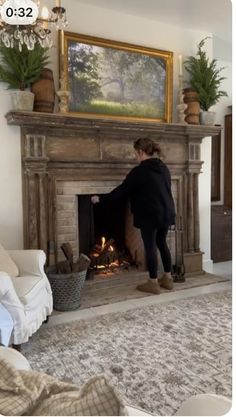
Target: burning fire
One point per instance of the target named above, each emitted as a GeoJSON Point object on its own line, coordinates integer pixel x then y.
{"type": "Point", "coordinates": [110, 248]}
{"type": "Point", "coordinates": [103, 242]}
{"type": "Point", "coordinates": [106, 257]}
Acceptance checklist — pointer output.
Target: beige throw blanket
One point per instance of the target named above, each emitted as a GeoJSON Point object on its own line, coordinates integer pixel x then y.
{"type": "Point", "coordinates": [37, 394]}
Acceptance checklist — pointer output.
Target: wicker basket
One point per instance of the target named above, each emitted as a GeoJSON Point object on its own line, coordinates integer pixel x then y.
{"type": "Point", "coordinates": [66, 289]}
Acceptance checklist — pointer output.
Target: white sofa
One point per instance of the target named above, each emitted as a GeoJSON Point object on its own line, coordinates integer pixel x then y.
{"type": "Point", "coordinates": [6, 326]}
{"type": "Point", "coordinates": [25, 292]}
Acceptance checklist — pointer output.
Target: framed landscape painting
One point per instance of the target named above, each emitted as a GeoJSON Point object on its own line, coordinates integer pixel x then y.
{"type": "Point", "coordinates": [112, 79]}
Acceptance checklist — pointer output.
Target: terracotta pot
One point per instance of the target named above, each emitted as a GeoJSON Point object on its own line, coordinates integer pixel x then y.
{"type": "Point", "coordinates": [192, 112]}
{"type": "Point", "coordinates": [44, 91]}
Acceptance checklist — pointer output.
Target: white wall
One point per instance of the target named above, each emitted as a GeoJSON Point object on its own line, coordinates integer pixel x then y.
{"type": "Point", "coordinates": [11, 223]}
{"type": "Point", "coordinates": [111, 25]}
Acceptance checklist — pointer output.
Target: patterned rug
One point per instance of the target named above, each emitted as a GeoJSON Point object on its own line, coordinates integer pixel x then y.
{"type": "Point", "coordinates": [156, 356]}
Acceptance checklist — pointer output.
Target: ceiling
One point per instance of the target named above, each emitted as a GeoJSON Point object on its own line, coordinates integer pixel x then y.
{"type": "Point", "coordinates": [208, 15]}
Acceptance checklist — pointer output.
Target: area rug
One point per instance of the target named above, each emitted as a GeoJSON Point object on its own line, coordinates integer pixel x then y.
{"type": "Point", "coordinates": [156, 356]}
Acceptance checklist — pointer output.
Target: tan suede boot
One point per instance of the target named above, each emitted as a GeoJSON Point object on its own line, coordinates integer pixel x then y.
{"type": "Point", "coordinates": [166, 281]}
{"type": "Point", "coordinates": [150, 286]}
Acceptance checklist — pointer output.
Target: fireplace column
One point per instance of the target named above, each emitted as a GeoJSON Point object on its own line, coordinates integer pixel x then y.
{"type": "Point", "coordinates": [35, 197]}
{"type": "Point", "coordinates": [190, 214]}
{"type": "Point", "coordinates": [196, 213]}
{"type": "Point", "coordinates": [193, 256]}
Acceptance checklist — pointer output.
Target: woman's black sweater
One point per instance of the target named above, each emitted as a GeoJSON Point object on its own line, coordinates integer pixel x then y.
{"type": "Point", "coordinates": [148, 187]}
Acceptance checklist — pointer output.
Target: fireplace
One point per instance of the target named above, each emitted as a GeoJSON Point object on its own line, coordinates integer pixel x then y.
{"type": "Point", "coordinates": [84, 225]}
{"type": "Point", "coordinates": [66, 157]}
{"type": "Point", "coordinates": [100, 221]}
{"type": "Point", "coordinates": [102, 236]}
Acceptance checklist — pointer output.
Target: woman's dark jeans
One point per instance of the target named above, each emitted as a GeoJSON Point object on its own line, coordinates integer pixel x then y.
{"type": "Point", "coordinates": [153, 238]}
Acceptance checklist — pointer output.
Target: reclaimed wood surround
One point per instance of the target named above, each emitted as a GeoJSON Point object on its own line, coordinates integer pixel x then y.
{"type": "Point", "coordinates": [60, 150]}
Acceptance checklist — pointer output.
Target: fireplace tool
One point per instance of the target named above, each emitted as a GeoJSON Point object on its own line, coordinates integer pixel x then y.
{"type": "Point", "coordinates": [179, 267]}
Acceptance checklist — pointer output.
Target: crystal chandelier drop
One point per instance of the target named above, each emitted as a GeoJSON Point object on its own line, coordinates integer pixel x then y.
{"type": "Point", "coordinates": [39, 31]}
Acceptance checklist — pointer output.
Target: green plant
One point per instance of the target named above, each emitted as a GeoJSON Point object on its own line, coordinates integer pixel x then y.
{"type": "Point", "coordinates": [21, 68]}
{"type": "Point", "coordinates": [205, 77]}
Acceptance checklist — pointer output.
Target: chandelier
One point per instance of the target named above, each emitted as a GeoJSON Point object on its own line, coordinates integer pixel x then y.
{"type": "Point", "coordinates": [21, 24]}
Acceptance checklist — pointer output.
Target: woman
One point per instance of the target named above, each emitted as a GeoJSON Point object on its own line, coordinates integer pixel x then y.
{"type": "Point", "coordinates": [148, 186]}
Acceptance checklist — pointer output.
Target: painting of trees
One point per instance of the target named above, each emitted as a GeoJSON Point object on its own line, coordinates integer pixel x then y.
{"type": "Point", "coordinates": [83, 74]}
{"type": "Point", "coordinates": [115, 81]}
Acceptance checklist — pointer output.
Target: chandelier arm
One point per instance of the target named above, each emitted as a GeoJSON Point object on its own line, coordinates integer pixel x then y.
{"type": "Point", "coordinates": [12, 35]}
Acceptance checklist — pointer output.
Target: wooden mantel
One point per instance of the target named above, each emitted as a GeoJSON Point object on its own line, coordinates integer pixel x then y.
{"type": "Point", "coordinates": [57, 120]}
{"type": "Point", "coordinates": [62, 151]}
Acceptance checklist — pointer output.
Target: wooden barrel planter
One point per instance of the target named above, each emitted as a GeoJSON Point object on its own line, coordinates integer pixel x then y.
{"type": "Point", "coordinates": [44, 92]}
{"type": "Point", "coordinates": [191, 98]}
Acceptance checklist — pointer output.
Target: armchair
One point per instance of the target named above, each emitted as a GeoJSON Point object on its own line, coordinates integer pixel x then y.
{"type": "Point", "coordinates": [25, 294]}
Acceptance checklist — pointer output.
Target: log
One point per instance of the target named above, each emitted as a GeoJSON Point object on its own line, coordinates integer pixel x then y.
{"type": "Point", "coordinates": [68, 251]}
{"type": "Point", "coordinates": [106, 257]}
{"type": "Point", "coordinates": [81, 264]}
{"type": "Point", "coordinates": [63, 267]}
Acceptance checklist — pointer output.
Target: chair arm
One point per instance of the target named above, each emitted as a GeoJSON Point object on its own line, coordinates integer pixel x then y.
{"type": "Point", "coordinates": [15, 358]}
{"type": "Point", "coordinates": [10, 300]}
{"type": "Point", "coordinates": [133, 411]}
{"type": "Point", "coordinates": [29, 261]}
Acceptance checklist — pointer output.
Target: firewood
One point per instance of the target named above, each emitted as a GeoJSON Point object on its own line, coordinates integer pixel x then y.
{"type": "Point", "coordinates": [68, 251]}
{"type": "Point", "coordinates": [97, 248]}
{"type": "Point", "coordinates": [81, 264]}
{"type": "Point", "coordinates": [63, 267]}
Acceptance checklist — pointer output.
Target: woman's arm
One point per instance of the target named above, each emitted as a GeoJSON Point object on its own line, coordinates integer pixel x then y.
{"type": "Point", "coordinates": [121, 192]}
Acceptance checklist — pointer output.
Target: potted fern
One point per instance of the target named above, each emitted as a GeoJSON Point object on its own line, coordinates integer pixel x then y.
{"type": "Point", "coordinates": [205, 79]}
{"type": "Point", "coordinates": [19, 69]}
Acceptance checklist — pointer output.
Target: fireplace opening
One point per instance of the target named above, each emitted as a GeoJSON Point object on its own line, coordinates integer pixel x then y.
{"type": "Point", "coordinates": [103, 236]}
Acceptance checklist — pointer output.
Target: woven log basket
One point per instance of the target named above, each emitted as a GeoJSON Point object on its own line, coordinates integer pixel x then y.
{"type": "Point", "coordinates": [66, 289]}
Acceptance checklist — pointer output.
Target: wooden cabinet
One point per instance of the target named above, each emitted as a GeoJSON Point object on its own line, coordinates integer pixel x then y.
{"type": "Point", "coordinates": [221, 215]}
{"type": "Point", "coordinates": [228, 162]}
{"type": "Point", "coordinates": [215, 167]}
{"type": "Point", "coordinates": [221, 233]}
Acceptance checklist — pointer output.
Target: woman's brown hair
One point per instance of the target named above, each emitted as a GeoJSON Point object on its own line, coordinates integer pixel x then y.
{"type": "Point", "coordinates": [148, 146]}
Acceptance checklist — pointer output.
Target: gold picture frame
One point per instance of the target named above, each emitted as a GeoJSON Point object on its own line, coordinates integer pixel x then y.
{"type": "Point", "coordinates": [112, 79]}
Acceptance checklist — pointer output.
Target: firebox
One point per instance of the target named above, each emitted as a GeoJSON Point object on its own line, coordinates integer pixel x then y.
{"type": "Point", "coordinates": [107, 236]}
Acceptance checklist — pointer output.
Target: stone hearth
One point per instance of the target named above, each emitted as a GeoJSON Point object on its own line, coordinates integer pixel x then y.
{"type": "Point", "coordinates": [64, 156]}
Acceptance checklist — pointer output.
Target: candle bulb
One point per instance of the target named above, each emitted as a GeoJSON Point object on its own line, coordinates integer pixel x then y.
{"type": "Point", "coordinates": [62, 42]}
{"type": "Point", "coordinates": [45, 16]}
{"type": "Point", "coordinates": [58, 3]}
{"type": "Point", "coordinates": [180, 65]}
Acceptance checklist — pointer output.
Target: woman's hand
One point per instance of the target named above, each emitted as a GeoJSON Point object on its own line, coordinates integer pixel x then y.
{"type": "Point", "coordinates": [95, 199]}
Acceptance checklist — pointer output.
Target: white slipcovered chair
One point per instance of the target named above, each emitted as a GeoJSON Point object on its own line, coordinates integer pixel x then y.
{"type": "Point", "coordinates": [25, 294]}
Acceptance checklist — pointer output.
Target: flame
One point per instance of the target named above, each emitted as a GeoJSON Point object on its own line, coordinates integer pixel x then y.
{"type": "Point", "coordinates": [113, 263]}
{"type": "Point", "coordinates": [103, 242]}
